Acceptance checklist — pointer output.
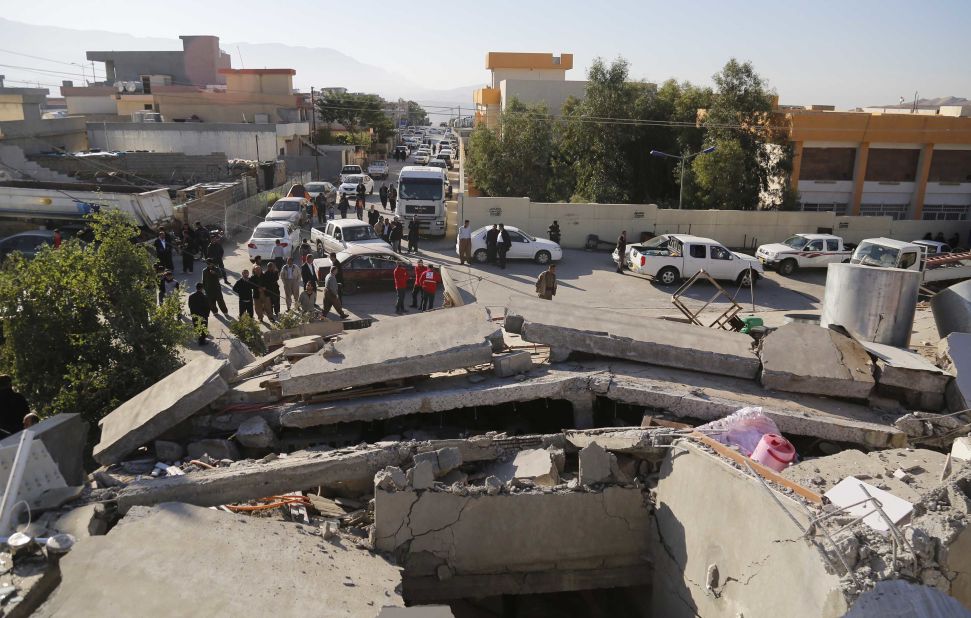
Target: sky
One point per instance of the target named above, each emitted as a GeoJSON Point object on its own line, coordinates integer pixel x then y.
{"type": "Point", "coordinates": [847, 53]}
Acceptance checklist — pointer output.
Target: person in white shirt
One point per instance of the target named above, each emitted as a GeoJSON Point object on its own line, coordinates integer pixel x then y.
{"type": "Point", "coordinates": [465, 244]}
{"type": "Point", "coordinates": [290, 274]}
{"type": "Point", "coordinates": [277, 254]}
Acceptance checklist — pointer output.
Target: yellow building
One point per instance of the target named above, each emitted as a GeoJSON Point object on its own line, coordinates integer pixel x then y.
{"type": "Point", "coordinates": [895, 162]}
{"type": "Point", "coordinates": [528, 77]}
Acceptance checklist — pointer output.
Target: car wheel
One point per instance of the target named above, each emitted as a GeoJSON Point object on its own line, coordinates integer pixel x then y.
{"type": "Point", "coordinates": [542, 257]}
{"type": "Point", "coordinates": [668, 275]}
{"type": "Point", "coordinates": [481, 256]}
{"type": "Point", "coordinates": [743, 278]}
{"type": "Point", "coordinates": [787, 267]}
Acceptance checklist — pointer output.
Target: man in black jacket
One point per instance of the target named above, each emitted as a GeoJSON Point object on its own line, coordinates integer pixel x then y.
{"type": "Point", "coordinates": [503, 244]}
{"type": "Point", "coordinates": [199, 310]}
{"type": "Point", "coordinates": [492, 238]}
{"type": "Point", "coordinates": [307, 273]}
{"type": "Point", "coordinates": [214, 293]}
{"type": "Point", "coordinates": [215, 252]}
{"type": "Point", "coordinates": [397, 231]}
{"type": "Point", "coordinates": [163, 250]}
{"type": "Point", "coordinates": [244, 290]}
{"type": "Point", "coordinates": [413, 228]}
{"type": "Point", "coordinates": [372, 215]}
{"type": "Point", "coordinates": [622, 251]}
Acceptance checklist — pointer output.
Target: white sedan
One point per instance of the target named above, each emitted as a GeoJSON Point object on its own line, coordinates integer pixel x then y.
{"type": "Point", "coordinates": [349, 186]}
{"type": "Point", "coordinates": [524, 246]}
{"type": "Point", "coordinates": [422, 157]}
{"type": "Point", "coordinates": [266, 234]}
{"type": "Point", "coordinates": [288, 209]}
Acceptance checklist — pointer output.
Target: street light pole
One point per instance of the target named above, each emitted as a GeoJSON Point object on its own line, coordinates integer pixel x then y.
{"type": "Point", "coordinates": [313, 137]}
{"type": "Point", "coordinates": [683, 159]}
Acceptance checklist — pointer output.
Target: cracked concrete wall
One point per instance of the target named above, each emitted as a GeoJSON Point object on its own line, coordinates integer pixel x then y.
{"type": "Point", "coordinates": [725, 548]}
{"type": "Point", "coordinates": [534, 531]}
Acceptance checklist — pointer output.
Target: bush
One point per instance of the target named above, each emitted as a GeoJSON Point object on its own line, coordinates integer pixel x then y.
{"type": "Point", "coordinates": [291, 318]}
{"type": "Point", "coordinates": [247, 330]}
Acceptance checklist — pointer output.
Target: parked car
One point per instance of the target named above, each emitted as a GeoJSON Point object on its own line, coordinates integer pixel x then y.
{"type": "Point", "coordinates": [338, 234]}
{"type": "Point", "coordinates": [289, 209]}
{"type": "Point", "coordinates": [365, 266]}
{"type": "Point", "coordinates": [27, 243]}
{"type": "Point", "coordinates": [328, 189]}
{"type": "Point", "coordinates": [266, 234]}
{"type": "Point", "coordinates": [444, 157]}
{"type": "Point", "coordinates": [683, 256]}
{"type": "Point", "coordinates": [349, 186]}
{"type": "Point", "coordinates": [524, 246]}
{"type": "Point", "coordinates": [804, 251]}
{"type": "Point", "coordinates": [378, 169]}
{"type": "Point", "coordinates": [890, 253]}
{"type": "Point", "coordinates": [933, 247]}
{"type": "Point", "coordinates": [350, 169]}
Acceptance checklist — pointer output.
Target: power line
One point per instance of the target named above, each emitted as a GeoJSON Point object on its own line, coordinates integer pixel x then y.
{"type": "Point", "coordinates": [76, 64]}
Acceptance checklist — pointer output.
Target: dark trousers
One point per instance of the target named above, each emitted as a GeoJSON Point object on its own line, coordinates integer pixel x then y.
{"type": "Point", "coordinates": [413, 244]}
{"type": "Point", "coordinates": [245, 306]}
{"type": "Point", "coordinates": [222, 267]}
{"type": "Point", "coordinates": [415, 291]}
{"type": "Point", "coordinates": [392, 203]}
{"type": "Point", "coordinates": [491, 254]}
{"type": "Point", "coordinates": [427, 300]}
{"type": "Point", "coordinates": [502, 256]}
{"type": "Point", "coordinates": [201, 323]}
{"type": "Point", "coordinates": [217, 303]}
{"type": "Point", "coordinates": [399, 306]}
{"type": "Point", "coordinates": [275, 300]}
{"type": "Point", "coordinates": [187, 262]}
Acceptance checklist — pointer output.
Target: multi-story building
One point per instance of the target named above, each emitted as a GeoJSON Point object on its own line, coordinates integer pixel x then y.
{"type": "Point", "coordinates": [897, 162]}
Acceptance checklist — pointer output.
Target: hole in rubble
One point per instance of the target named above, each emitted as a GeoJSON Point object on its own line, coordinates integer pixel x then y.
{"type": "Point", "coordinates": [633, 601]}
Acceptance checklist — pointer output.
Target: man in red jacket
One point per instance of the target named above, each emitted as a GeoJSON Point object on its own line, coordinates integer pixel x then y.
{"type": "Point", "coordinates": [400, 287]}
{"type": "Point", "coordinates": [420, 269]}
{"type": "Point", "coordinates": [429, 285]}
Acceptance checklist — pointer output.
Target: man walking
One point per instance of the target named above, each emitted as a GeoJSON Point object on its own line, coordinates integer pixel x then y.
{"type": "Point", "coordinates": [214, 293]}
{"type": "Point", "coordinates": [292, 280]}
{"type": "Point", "coordinates": [546, 283]}
{"type": "Point", "coordinates": [244, 289]}
{"type": "Point", "coordinates": [383, 192]}
{"type": "Point", "coordinates": [163, 250]}
{"type": "Point", "coordinates": [420, 269]}
{"type": "Point", "coordinates": [199, 310]}
{"type": "Point", "coordinates": [413, 229]}
{"type": "Point", "coordinates": [503, 244]}
{"type": "Point", "coordinates": [320, 205]}
{"type": "Point", "coordinates": [392, 198]}
{"type": "Point", "coordinates": [394, 237]}
{"type": "Point", "coordinates": [215, 252]}
{"type": "Point", "coordinates": [621, 251]}
{"type": "Point", "coordinates": [307, 272]}
{"type": "Point", "coordinates": [331, 298]}
{"type": "Point", "coordinates": [343, 205]}
{"type": "Point", "coordinates": [492, 239]}
{"type": "Point", "coordinates": [465, 244]}
{"type": "Point", "coordinates": [373, 215]}
{"type": "Point", "coordinates": [400, 288]}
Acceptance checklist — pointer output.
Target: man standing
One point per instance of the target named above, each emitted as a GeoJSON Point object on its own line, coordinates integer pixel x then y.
{"type": "Point", "coordinates": [308, 300]}
{"type": "Point", "coordinates": [320, 204]}
{"type": "Point", "coordinates": [291, 281]}
{"type": "Point", "coordinates": [261, 301]}
{"type": "Point", "coordinates": [331, 297]}
{"type": "Point", "coordinates": [277, 253]}
{"type": "Point", "coordinates": [373, 215]}
{"type": "Point", "coordinates": [492, 239]}
{"type": "Point", "coordinates": [392, 198]}
{"type": "Point", "coordinates": [554, 232]}
{"type": "Point", "coordinates": [244, 289]}
{"type": "Point", "coordinates": [400, 288]}
{"type": "Point", "coordinates": [199, 310]}
{"type": "Point", "coordinates": [394, 237]}
{"type": "Point", "coordinates": [546, 283]}
{"type": "Point", "coordinates": [429, 285]}
{"type": "Point", "coordinates": [413, 229]}
{"type": "Point", "coordinates": [420, 270]}
{"type": "Point", "coordinates": [307, 273]}
{"type": "Point", "coordinates": [621, 251]}
{"type": "Point", "coordinates": [57, 238]}
{"type": "Point", "coordinates": [169, 285]}
{"type": "Point", "coordinates": [503, 244]}
{"type": "Point", "coordinates": [215, 252]}
{"type": "Point", "coordinates": [214, 293]}
{"type": "Point", "coordinates": [343, 205]}
{"type": "Point", "coordinates": [271, 285]}
{"type": "Point", "coordinates": [465, 244]}
{"type": "Point", "coordinates": [383, 192]}
{"type": "Point", "coordinates": [361, 191]}
{"type": "Point", "coordinates": [163, 250]}
{"type": "Point", "coordinates": [202, 239]}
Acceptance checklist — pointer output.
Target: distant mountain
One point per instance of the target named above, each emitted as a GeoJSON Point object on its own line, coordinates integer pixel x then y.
{"type": "Point", "coordinates": [317, 66]}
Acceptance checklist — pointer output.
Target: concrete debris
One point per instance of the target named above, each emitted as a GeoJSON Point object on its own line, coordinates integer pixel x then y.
{"type": "Point", "coordinates": [188, 545]}
{"type": "Point", "coordinates": [578, 328]}
{"type": "Point", "coordinates": [255, 432]}
{"type": "Point", "coordinates": [855, 498]}
{"type": "Point", "coordinates": [391, 478]}
{"type": "Point", "coordinates": [228, 346]}
{"type": "Point", "coordinates": [41, 485]}
{"type": "Point", "coordinates": [804, 358]}
{"type": "Point", "coordinates": [216, 449]}
{"type": "Point", "coordinates": [161, 407]}
{"type": "Point", "coordinates": [897, 598]}
{"type": "Point", "coordinates": [930, 429]}
{"type": "Point", "coordinates": [645, 443]}
{"type": "Point", "coordinates": [513, 363]}
{"type": "Point", "coordinates": [319, 328]}
{"type": "Point", "coordinates": [388, 350]}
{"type": "Point", "coordinates": [908, 377]}
{"type": "Point", "coordinates": [259, 365]}
{"type": "Point", "coordinates": [954, 355]}
{"type": "Point", "coordinates": [595, 464]}
{"type": "Point", "coordinates": [168, 451]}
{"type": "Point", "coordinates": [84, 521]}
{"type": "Point", "coordinates": [252, 391]}
{"type": "Point", "coordinates": [422, 476]}
{"type": "Point", "coordinates": [493, 485]}
{"type": "Point", "coordinates": [302, 346]}
{"type": "Point", "coordinates": [64, 437]}
{"type": "Point", "coordinates": [961, 448]}
{"type": "Point", "coordinates": [534, 465]}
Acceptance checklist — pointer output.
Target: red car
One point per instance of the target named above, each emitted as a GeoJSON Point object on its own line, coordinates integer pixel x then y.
{"type": "Point", "coordinates": [365, 267]}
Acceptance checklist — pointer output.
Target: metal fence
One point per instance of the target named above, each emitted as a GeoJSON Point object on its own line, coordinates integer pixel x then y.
{"type": "Point", "coordinates": [242, 217]}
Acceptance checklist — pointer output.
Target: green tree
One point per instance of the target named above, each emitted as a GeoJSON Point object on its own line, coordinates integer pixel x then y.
{"type": "Point", "coordinates": [82, 329]}
{"type": "Point", "coordinates": [356, 111]}
{"type": "Point", "coordinates": [417, 117]}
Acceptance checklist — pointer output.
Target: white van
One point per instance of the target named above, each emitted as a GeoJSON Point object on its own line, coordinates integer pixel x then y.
{"type": "Point", "coordinates": [421, 192]}
{"type": "Point", "coordinates": [337, 234]}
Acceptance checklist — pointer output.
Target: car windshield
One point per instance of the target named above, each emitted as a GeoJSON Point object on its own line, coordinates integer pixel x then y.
{"type": "Point", "coordinates": [270, 231]}
{"type": "Point", "coordinates": [353, 179]}
{"type": "Point", "coordinates": [351, 169]}
{"type": "Point", "coordinates": [286, 206]}
{"type": "Point", "coordinates": [380, 164]}
{"type": "Point", "coordinates": [428, 189]}
{"type": "Point", "coordinates": [316, 187]}
{"type": "Point", "coordinates": [875, 255]}
{"type": "Point", "coordinates": [796, 242]}
{"type": "Point", "coordinates": [359, 232]}
{"type": "Point", "coordinates": [437, 163]}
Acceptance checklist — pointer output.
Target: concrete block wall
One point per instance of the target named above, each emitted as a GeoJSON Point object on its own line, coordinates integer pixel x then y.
{"type": "Point", "coordinates": [162, 167]}
{"type": "Point", "coordinates": [734, 228]}
{"type": "Point", "coordinates": [16, 164]}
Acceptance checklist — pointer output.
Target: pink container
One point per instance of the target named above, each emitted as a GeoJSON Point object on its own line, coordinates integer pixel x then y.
{"type": "Point", "coordinates": [774, 452]}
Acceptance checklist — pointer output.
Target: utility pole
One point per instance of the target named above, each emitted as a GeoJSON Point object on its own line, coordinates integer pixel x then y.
{"type": "Point", "coordinates": [313, 135]}
{"type": "Point", "coordinates": [259, 170]}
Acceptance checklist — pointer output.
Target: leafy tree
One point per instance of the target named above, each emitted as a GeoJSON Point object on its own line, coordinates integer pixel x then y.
{"type": "Point", "coordinates": [356, 111]}
{"type": "Point", "coordinates": [82, 329]}
{"type": "Point", "coordinates": [417, 116]}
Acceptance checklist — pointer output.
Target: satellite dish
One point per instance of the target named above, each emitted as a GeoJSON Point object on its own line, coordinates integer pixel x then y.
{"type": "Point", "coordinates": [130, 86]}
{"type": "Point", "coordinates": [119, 86]}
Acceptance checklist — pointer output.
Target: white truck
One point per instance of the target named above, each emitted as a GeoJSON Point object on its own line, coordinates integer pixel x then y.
{"type": "Point", "coordinates": [890, 253]}
{"type": "Point", "coordinates": [421, 192]}
{"type": "Point", "coordinates": [804, 251]}
{"type": "Point", "coordinates": [42, 201]}
{"type": "Point", "coordinates": [670, 257]}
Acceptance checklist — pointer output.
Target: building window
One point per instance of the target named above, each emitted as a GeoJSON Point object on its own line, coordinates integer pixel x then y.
{"type": "Point", "coordinates": [147, 107]}
{"type": "Point", "coordinates": [146, 84]}
{"type": "Point", "coordinates": [839, 209]}
{"type": "Point", "coordinates": [944, 212]}
{"type": "Point", "coordinates": [895, 211]}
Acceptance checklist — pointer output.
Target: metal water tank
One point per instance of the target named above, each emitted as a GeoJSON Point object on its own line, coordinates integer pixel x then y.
{"type": "Point", "coordinates": [952, 309]}
{"type": "Point", "coordinates": [873, 304]}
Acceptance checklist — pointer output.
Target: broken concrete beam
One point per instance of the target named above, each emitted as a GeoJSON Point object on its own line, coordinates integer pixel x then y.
{"type": "Point", "coordinates": [258, 366]}
{"type": "Point", "coordinates": [298, 347]}
{"type": "Point", "coordinates": [214, 448]}
{"type": "Point", "coordinates": [476, 448]}
{"type": "Point", "coordinates": [248, 391]}
{"type": "Point", "coordinates": [535, 465]}
{"type": "Point", "coordinates": [643, 443]}
{"type": "Point", "coordinates": [249, 480]}
{"type": "Point", "coordinates": [65, 437]}
{"type": "Point", "coordinates": [321, 328]}
{"type": "Point", "coordinates": [908, 377]}
{"type": "Point", "coordinates": [188, 547]}
{"type": "Point", "coordinates": [606, 333]}
{"type": "Point", "coordinates": [161, 407]}
{"type": "Point", "coordinates": [513, 363]}
{"type": "Point", "coordinates": [954, 354]}
{"type": "Point", "coordinates": [443, 460]}
{"type": "Point", "coordinates": [805, 358]}
{"type": "Point", "coordinates": [391, 350]}
{"type": "Point", "coordinates": [595, 464]}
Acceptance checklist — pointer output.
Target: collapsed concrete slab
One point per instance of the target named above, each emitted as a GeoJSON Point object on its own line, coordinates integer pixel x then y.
{"type": "Point", "coordinates": [954, 354]}
{"type": "Point", "coordinates": [576, 328]}
{"type": "Point", "coordinates": [908, 377]}
{"type": "Point", "coordinates": [410, 346]}
{"type": "Point", "coordinates": [348, 468]}
{"type": "Point", "coordinates": [804, 358]}
{"type": "Point", "coordinates": [160, 407]}
{"type": "Point", "coordinates": [534, 465]}
{"type": "Point", "coordinates": [298, 347]}
{"type": "Point", "coordinates": [275, 568]}
{"type": "Point", "coordinates": [897, 597]}
{"type": "Point", "coordinates": [320, 328]}
{"type": "Point", "coordinates": [259, 365]}
{"type": "Point", "coordinates": [64, 435]}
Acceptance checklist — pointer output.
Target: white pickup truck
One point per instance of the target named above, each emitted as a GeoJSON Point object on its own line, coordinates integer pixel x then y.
{"type": "Point", "coordinates": [670, 257]}
{"type": "Point", "coordinates": [804, 251]}
{"type": "Point", "coordinates": [889, 253]}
